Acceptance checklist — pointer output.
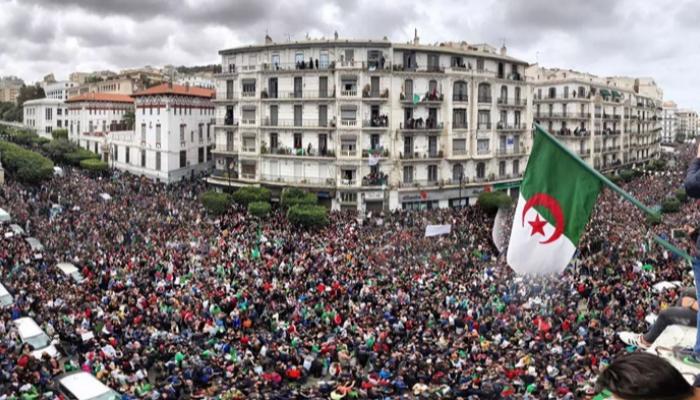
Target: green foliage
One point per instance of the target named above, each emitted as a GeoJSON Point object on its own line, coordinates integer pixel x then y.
{"type": "Point", "coordinates": [308, 216]}
{"type": "Point", "coordinates": [681, 195]}
{"type": "Point", "coordinates": [680, 137]}
{"type": "Point", "coordinates": [60, 134]}
{"type": "Point", "coordinates": [78, 155]}
{"type": "Point", "coordinates": [40, 141]}
{"type": "Point", "coordinates": [215, 202]}
{"type": "Point", "coordinates": [614, 178]}
{"type": "Point", "coordinates": [30, 92]}
{"type": "Point", "coordinates": [25, 165]}
{"type": "Point", "coordinates": [657, 165]}
{"type": "Point", "coordinates": [94, 165]}
{"type": "Point", "coordinates": [249, 194]}
{"type": "Point", "coordinates": [295, 196]}
{"type": "Point", "coordinates": [670, 205]}
{"type": "Point", "coordinates": [10, 112]}
{"type": "Point", "coordinates": [130, 119]}
{"type": "Point", "coordinates": [259, 209]}
{"type": "Point", "coordinates": [626, 175]}
{"type": "Point", "coordinates": [492, 201]}
{"type": "Point", "coordinates": [57, 149]}
{"type": "Point", "coordinates": [654, 219]}
{"type": "Point", "coordinates": [22, 137]}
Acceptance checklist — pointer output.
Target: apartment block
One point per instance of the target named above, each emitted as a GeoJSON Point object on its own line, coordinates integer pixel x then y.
{"type": "Point", "coordinates": [45, 115]}
{"type": "Point", "coordinates": [372, 125]}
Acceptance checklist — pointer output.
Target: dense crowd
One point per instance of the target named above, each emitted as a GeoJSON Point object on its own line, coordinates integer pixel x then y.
{"type": "Point", "coordinates": [185, 305]}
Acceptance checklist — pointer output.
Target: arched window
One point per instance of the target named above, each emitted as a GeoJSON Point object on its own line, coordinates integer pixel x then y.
{"type": "Point", "coordinates": [484, 93]}
{"type": "Point", "coordinates": [504, 95]}
{"type": "Point", "coordinates": [460, 91]}
{"type": "Point", "coordinates": [457, 173]}
{"type": "Point", "coordinates": [432, 86]}
{"type": "Point", "coordinates": [480, 170]}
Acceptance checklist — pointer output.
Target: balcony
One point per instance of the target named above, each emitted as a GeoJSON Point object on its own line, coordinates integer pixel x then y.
{"type": "Point", "coordinates": [348, 123]}
{"type": "Point", "coordinates": [379, 179]}
{"type": "Point", "coordinates": [416, 183]}
{"type": "Point", "coordinates": [484, 100]}
{"type": "Point", "coordinates": [348, 182]}
{"type": "Point", "coordinates": [483, 152]}
{"type": "Point", "coordinates": [228, 122]}
{"type": "Point", "coordinates": [298, 180]}
{"type": "Point", "coordinates": [416, 68]}
{"type": "Point", "coordinates": [348, 92]}
{"type": "Point", "coordinates": [225, 148]}
{"type": "Point", "coordinates": [512, 102]}
{"type": "Point", "coordinates": [348, 153]}
{"type": "Point", "coordinates": [428, 98]}
{"type": "Point", "coordinates": [419, 125]}
{"type": "Point", "coordinates": [226, 96]}
{"type": "Point", "coordinates": [418, 156]}
{"type": "Point", "coordinates": [460, 97]}
{"type": "Point", "coordinates": [459, 125]}
{"type": "Point", "coordinates": [514, 152]}
{"type": "Point", "coordinates": [294, 123]}
{"type": "Point", "coordinates": [501, 127]}
{"type": "Point", "coordinates": [379, 122]}
{"type": "Point", "coordinates": [379, 152]}
{"type": "Point", "coordinates": [369, 94]}
{"type": "Point", "coordinates": [483, 126]}
{"type": "Point", "coordinates": [249, 95]}
{"type": "Point", "coordinates": [305, 65]}
{"type": "Point", "coordinates": [297, 95]}
{"type": "Point", "coordinates": [296, 152]}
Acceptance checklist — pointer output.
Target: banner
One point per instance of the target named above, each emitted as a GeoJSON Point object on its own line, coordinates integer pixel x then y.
{"type": "Point", "coordinates": [437, 230]}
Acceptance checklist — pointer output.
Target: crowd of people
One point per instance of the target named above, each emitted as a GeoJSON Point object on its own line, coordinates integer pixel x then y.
{"type": "Point", "coordinates": [182, 304]}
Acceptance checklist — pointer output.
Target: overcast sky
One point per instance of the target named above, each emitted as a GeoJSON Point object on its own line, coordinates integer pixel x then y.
{"type": "Point", "coordinates": [657, 38]}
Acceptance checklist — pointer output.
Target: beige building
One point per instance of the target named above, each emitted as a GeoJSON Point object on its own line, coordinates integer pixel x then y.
{"type": "Point", "coordinates": [687, 123]}
{"type": "Point", "coordinates": [9, 88]}
{"type": "Point", "coordinates": [609, 122]}
{"type": "Point", "coordinates": [372, 125]}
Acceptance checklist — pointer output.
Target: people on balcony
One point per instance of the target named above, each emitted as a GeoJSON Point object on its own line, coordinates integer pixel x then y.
{"type": "Point", "coordinates": [375, 178]}
{"type": "Point", "coordinates": [379, 121]}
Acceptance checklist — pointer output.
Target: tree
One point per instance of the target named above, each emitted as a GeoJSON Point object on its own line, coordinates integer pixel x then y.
{"type": "Point", "coordinates": [308, 216]}
{"type": "Point", "coordinates": [259, 209]}
{"type": "Point", "coordinates": [492, 201]}
{"type": "Point", "coordinates": [94, 165]}
{"type": "Point", "coordinates": [215, 202]}
{"type": "Point", "coordinates": [60, 134]}
{"type": "Point", "coordinates": [295, 196]}
{"type": "Point", "coordinates": [130, 119]}
{"type": "Point", "coordinates": [25, 165]}
{"type": "Point", "coordinates": [247, 195]}
{"type": "Point", "coordinates": [30, 92]}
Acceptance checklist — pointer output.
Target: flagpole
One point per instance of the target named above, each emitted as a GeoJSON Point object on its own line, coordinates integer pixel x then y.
{"type": "Point", "coordinates": [672, 248]}
{"type": "Point", "coordinates": [595, 173]}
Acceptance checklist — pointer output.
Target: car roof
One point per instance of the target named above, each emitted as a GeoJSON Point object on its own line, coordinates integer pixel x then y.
{"type": "Point", "coordinates": [27, 327]}
{"type": "Point", "coordinates": [83, 385]}
{"type": "Point", "coordinates": [67, 268]}
{"type": "Point", "coordinates": [4, 291]}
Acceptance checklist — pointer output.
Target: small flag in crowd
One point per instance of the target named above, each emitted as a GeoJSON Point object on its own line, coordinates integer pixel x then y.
{"type": "Point", "coordinates": [557, 196]}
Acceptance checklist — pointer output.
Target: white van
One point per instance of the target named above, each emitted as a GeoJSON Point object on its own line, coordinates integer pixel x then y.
{"type": "Point", "coordinates": [5, 297]}
{"type": "Point", "coordinates": [70, 270]}
{"type": "Point", "coordinates": [80, 385]}
{"type": "Point", "coordinates": [30, 333]}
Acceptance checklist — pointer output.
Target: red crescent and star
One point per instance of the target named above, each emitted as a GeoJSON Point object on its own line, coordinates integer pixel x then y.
{"type": "Point", "coordinates": [537, 225]}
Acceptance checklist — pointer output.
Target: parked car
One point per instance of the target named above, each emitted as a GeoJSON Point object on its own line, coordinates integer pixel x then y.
{"type": "Point", "coordinates": [81, 385]}
{"type": "Point", "coordinates": [30, 333]}
{"type": "Point", "coordinates": [71, 271]}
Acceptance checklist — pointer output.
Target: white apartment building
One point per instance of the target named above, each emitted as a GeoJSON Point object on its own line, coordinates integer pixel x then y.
{"type": "Point", "coordinates": [57, 90]}
{"type": "Point", "coordinates": [45, 115]}
{"type": "Point", "coordinates": [669, 122]}
{"type": "Point", "coordinates": [173, 134]}
{"type": "Point", "coordinates": [609, 122]}
{"type": "Point", "coordinates": [372, 125]}
{"type": "Point", "coordinates": [94, 116]}
{"type": "Point", "coordinates": [687, 123]}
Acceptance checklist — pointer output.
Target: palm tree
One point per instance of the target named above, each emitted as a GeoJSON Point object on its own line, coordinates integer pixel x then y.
{"type": "Point", "coordinates": [129, 118]}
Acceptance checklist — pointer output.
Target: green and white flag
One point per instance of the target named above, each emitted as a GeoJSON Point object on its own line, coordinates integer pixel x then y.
{"type": "Point", "coordinates": [557, 196]}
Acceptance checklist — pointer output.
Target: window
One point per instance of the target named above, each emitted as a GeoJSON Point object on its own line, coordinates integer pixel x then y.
{"type": "Point", "coordinates": [208, 132]}
{"type": "Point", "coordinates": [273, 142]}
{"type": "Point", "coordinates": [432, 173]}
{"type": "Point", "coordinates": [299, 57]}
{"type": "Point", "coordinates": [552, 93]}
{"type": "Point", "coordinates": [58, 111]}
{"type": "Point", "coordinates": [201, 133]}
{"type": "Point", "coordinates": [432, 86]}
{"type": "Point", "coordinates": [456, 62]}
{"type": "Point", "coordinates": [516, 167]}
{"type": "Point", "coordinates": [143, 132]}
{"type": "Point", "coordinates": [484, 119]}
{"type": "Point", "coordinates": [248, 115]}
{"type": "Point", "coordinates": [566, 92]}
{"type": "Point", "coordinates": [323, 115]}
{"type": "Point", "coordinates": [115, 156]}
{"type": "Point", "coordinates": [49, 112]}
{"type": "Point", "coordinates": [297, 115]}
{"type": "Point", "coordinates": [192, 136]}
{"type": "Point", "coordinates": [348, 115]}
{"type": "Point", "coordinates": [126, 155]}
{"type": "Point", "coordinates": [323, 61]}
{"type": "Point", "coordinates": [408, 174]}
{"type": "Point", "coordinates": [501, 169]}
{"type": "Point", "coordinates": [143, 158]}
{"type": "Point", "coordinates": [183, 158]}
{"type": "Point", "coordinates": [480, 170]}
{"type": "Point", "coordinates": [275, 60]}
{"type": "Point", "coordinates": [504, 94]}
{"type": "Point", "coordinates": [484, 93]}
{"type": "Point", "coordinates": [249, 144]}
{"type": "Point", "coordinates": [482, 146]}
{"type": "Point", "coordinates": [460, 91]}
{"type": "Point", "coordinates": [459, 146]}
{"type": "Point", "coordinates": [479, 64]}
{"type": "Point", "coordinates": [200, 155]}
{"type": "Point", "coordinates": [348, 146]}
{"type": "Point", "coordinates": [182, 132]}
{"type": "Point", "coordinates": [408, 146]}
{"type": "Point", "coordinates": [408, 89]}
{"type": "Point", "coordinates": [349, 55]}
{"type": "Point", "coordinates": [248, 87]}
{"type": "Point", "coordinates": [457, 173]}
{"type": "Point", "coordinates": [297, 141]}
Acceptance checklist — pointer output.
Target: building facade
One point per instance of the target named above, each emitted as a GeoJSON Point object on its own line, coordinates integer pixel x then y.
{"type": "Point", "coordinates": [372, 126]}
{"type": "Point", "coordinates": [9, 88]}
{"type": "Point", "coordinates": [45, 115]}
{"type": "Point", "coordinates": [93, 117]}
{"type": "Point", "coordinates": [173, 134]}
{"type": "Point", "coordinates": [57, 90]}
{"type": "Point", "coordinates": [608, 122]}
{"type": "Point", "coordinates": [687, 124]}
{"type": "Point", "coordinates": [669, 122]}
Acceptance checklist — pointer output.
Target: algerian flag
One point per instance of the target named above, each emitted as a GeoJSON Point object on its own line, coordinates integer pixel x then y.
{"type": "Point", "coordinates": [556, 199]}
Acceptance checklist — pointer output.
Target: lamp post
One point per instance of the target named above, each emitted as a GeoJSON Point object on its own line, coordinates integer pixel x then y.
{"type": "Point", "coordinates": [461, 179]}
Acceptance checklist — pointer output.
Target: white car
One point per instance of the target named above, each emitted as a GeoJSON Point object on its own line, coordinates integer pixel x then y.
{"type": "Point", "coordinates": [5, 297]}
{"type": "Point", "coordinates": [30, 333]}
{"type": "Point", "coordinates": [71, 270]}
{"type": "Point", "coordinates": [82, 386]}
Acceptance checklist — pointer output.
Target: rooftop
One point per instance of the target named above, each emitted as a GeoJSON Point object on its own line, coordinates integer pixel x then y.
{"type": "Point", "coordinates": [101, 97]}
{"type": "Point", "coordinates": [174, 89]}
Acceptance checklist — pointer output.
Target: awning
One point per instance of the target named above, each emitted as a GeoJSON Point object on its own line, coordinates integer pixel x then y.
{"type": "Point", "coordinates": [506, 185]}
{"type": "Point", "coordinates": [615, 93]}
{"type": "Point", "coordinates": [604, 93]}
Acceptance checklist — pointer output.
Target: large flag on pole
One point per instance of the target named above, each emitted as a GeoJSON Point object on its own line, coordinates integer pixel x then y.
{"type": "Point", "coordinates": [557, 195]}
